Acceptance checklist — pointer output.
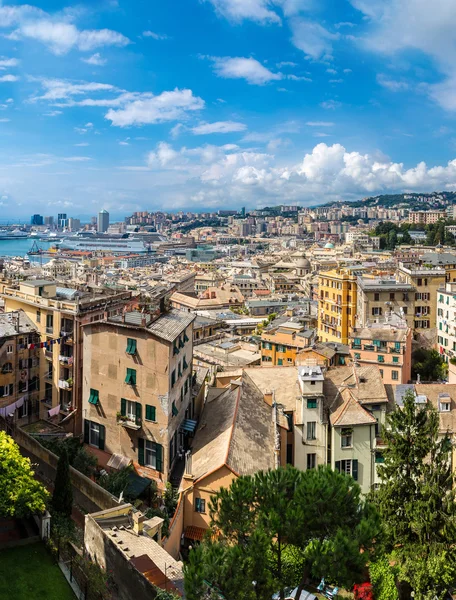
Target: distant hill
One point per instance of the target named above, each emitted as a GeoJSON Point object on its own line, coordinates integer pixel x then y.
{"type": "Point", "coordinates": [409, 200]}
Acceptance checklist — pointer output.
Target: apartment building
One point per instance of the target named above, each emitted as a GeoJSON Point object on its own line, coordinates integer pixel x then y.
{"type": "Point", "coordinates": [280, 345]}
{"type": "Point", "coordinates": [137, 389]}
{"type": "Point", "coordinates": [58, 313]}
{"type": "Point", "coordinates": [446, 326]}
{"type": "Point", "coordinates": [378, 297]}
{"type": "Point", "coordinates": [336, 305]}
{"type": "Point", "coordinates": [426, 280]}
{"type": "Point", "coordinates": [426, 217]}
{"type": "Point", "coordinates": [387, 345]}
{"type": "Point", "coordinates": [19, 368]}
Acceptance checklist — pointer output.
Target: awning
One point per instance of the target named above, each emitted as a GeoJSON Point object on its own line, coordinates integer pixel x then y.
{"type": "Point", "coordinates": [188, 425]}
{"type": "Point", "coordinates": [136, 485]}
{"type": "Point", "coordinates": [118, 461]}
{"type": "Point", "coordinates": [194, 533]}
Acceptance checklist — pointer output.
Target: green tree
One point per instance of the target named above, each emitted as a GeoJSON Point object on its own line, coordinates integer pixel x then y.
{"type": "Point", "coordinates": [428, 364]}
{"type": "Point", "coordinates": [20, 494]}
{"type": "Point", "coordinates": [62, 498]}
{"type": "Point", "coordinates": [276, 528]}
{"type": "Point", "coordinates": [416, 501]}
{"type": "Point", "coordinates": [391, 241]}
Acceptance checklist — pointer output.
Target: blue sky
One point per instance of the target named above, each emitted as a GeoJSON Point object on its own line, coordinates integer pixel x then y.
{"type": "Point", "coordinates": [205, 104]}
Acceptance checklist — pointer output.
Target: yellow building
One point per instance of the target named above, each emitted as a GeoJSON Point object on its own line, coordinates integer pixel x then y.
{"type": "Point", "coordinates": [337, 297]}
{"type": "Point", "coordinates": [280, 345]}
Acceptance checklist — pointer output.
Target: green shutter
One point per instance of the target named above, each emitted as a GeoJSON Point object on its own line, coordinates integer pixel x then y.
{"type": "Point", "coordinates": [141, 451]}
{"type": "Point", "coordinates": [174, 410]}
{"type": "Point", "coordinates": [93, 398]}
{"type": "Point", "coordinates": [185, 337]}
{"type": "Point", "coordinates": [355, 469]}
{"type": "Point", "coordinates": [159, 457]}
{"type": "Point", "coordinates": [173, 377]}
{"type": "Point", "coordinates": [86, 431]}
{"type": "Point", "coordinates": [131, 377]}
{"type": "Point", "coordinates": [131, 346]}
{"type": "Point", "coordinates": [175, 349]}
{"type": "Point", "coordinates": [185, 364]}
{"type": "Point", "coordinates": [138, 413]}
{"type": "Point", "coordinates": [181, 342]}
{"type": "Point", "coordinates": [123, 407]}
{"type": "Point", "coordinates": [102, 437]}
{"type": "Point", "coordinates": [337, 465]}
{"type": "Point", "coordinates": [150, 413]}
{"type": "Point", "coordinates": [311, 404]}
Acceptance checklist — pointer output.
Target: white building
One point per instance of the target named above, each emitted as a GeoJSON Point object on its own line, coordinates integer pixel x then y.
{"type": "Point", "coordinates": [103, 221]}
{"type": "Point", "coordinates": [446, 326]}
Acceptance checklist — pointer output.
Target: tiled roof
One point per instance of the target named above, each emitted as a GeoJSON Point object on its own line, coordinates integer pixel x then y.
{"type": "Point", "coordinates": [171, 324]}
{"type": "Point", "coordinates": [351, 413]}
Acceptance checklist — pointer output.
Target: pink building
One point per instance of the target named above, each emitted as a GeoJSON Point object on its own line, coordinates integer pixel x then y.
{"type": "Point", "coordinates": [386, 345]}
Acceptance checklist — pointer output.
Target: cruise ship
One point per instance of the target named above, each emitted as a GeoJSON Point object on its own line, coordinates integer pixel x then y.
{"type": "Point", "coordinates": [92, 242]}
{"type": "Point", "coordinates": [8, 234]}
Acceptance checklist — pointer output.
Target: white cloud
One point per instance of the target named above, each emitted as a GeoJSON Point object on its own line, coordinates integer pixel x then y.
{"type": "Point", "coordinates": [348, 71]}
{"type": "Point", "coordinates": [5, 120]}
{"type": "Point", "coordinates": [61, 37]}
{"type": "Point", "coordinates": [244, 68]}
{"type": "Point", "coordinates": [53, 113]}
{"type": "Point", "coordinates": [7, 78]}
{"type": "Point", "coordinates": [330, 104]}
{"type": "Point", "coordinates": [168, 106]}
{"type": "Point", "coordinates": [397, 26]}
{"type": "Point", "coordinates": [82, 144]}
{"type": "Point", "coordinates": [218, 127]}
{"type": "Point", "coordinates": [286, 63]}
{"type": "Point", "coordinates": [6, 63]}
{"type": "Point", "coordinates": [61, 89]}
{"type": "Point", "coordinates": [155, 36]}
{"type": "Point", "coordinates": [391, 84]}
{"type": "Point", "coordinates": [96, 59]}
{"type": "Point", "coordinates": [319, 124]}
{"type": "Point", "coordinates": [77, 158]}
{"type": "Point", "coordinates": [238, 10]}
{"type": "Point", "coordinates": [333, 71]}
{"type": "Point", "coordinates": [312, 38]}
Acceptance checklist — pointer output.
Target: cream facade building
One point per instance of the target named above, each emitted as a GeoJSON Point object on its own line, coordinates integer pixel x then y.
{"type": "Point", "coordinates": [137, 389]}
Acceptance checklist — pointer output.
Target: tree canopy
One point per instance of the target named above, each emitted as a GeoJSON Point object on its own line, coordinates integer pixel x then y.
{"type": "Point", "coordinates": [62, 498]}
{"type": "Point", "coordinates": [416, 501]}
{"type": "Point", "coordinates": [428, 364]}
{"type": "Point", "coordinates": [279, 527]}
{"type": "Point", "coordinates": [20, 494]}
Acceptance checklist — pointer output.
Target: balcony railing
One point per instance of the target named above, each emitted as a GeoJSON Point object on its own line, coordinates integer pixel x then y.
{"type": "Point", "coordinates": [65, 384]}
{"type": "Point", "coordinates": [67, 360]}
{"type": "Point", "coordinates": [49, 329]}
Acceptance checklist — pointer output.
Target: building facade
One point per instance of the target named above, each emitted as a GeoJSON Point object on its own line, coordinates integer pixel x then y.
{"type": "Point", "coordinates": [336, 305]}
{"type": "Point", "coordinates": [137, 390]}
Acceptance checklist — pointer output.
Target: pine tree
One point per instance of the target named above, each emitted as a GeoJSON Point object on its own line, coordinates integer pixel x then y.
{"type": "Point", "coordinates": [276, 528]}
{"type": "Point", "coordinates": [416, 501]}
{"type": "Point", "coordinates": [62, 498]}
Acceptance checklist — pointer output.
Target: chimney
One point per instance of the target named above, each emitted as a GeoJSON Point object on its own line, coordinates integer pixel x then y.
{"type": "Point", "coordinates": [138, 522]}
{"type": "Point", "coordinates": [268, 397]}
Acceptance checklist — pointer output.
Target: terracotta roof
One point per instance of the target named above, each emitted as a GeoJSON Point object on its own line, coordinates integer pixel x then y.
{"type": "Point", "coordinates": [351, 413]}
{"type": "Point", "coordinates": [194, 533]}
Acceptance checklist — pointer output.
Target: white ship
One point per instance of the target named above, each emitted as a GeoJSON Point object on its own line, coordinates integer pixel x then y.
{"type": "Point", "coordinates": [91, 242]}
{"type": "Point", "coordinates": [7, 234]}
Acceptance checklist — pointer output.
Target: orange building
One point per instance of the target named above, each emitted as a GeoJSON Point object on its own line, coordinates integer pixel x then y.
{"type": "Point", "coordinates": [336, 305]}
{"type": "Point", "coordinates": [280, 346]}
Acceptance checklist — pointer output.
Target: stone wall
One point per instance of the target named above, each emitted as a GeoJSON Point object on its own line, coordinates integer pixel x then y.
{"type": "Point", "coordinates": [86, 493]}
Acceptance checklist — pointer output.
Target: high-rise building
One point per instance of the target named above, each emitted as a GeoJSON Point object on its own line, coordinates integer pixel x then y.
{"type": "Point", "coordinates": [74, 224]}
{"type": "Point", "coordinates": [49, 220]}
{"type": "Point", "coordinates": [103, 221]}
{"type": "Point", "coordinates": [36, 220]}
{"type": "Point", "coordinates": [61, 219]}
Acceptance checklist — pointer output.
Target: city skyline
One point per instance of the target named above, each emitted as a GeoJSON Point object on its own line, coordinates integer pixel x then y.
{"type": "Point", "coordinates": [123, 107]}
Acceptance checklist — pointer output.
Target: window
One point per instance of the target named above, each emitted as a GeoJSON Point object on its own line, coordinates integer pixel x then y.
{"type": "Point", "coordinates": [94, 434]}
{"type": "Point", "coordinates": [22, 411]}
{"type": "Point", "coordinates": [131, 346]}
{"type": "Point", "coordinates": [381, 373]}
{"type": "Point", "coordinates": [376, 297]}
{"type": "Point", "coordinates": [379, 458]}
{"type": "Point", "coordinates": [173, 378]}
{"type": "Point", "coordinates": [7, 390]}
{"type": "Point", "coordinates": [357, 356]}
{"type": "Point", "coordinates": [150, 454]}
{"type": "Point", "coordinates": [376, 311]}
{"type": "Point", "coordinates": [150, 413]}
{"type": "Point", "coordinates": [349, 467]}
{"type": "Point", "coordinates": [395, 359]}
{"type": "Point", "coordinates": [9, 349]}
{"type": "Point", "coordinates": [200, 505]}
{"type": "Point", "coordinates": [346, 437]}
{"type": "Point", "coordinates": [394, 375]}
{"type": "Point", "coordinates": [131, 377]}
{"type": "Point", "coordinates": [312, 403]}
{"type": "Point", "coordinates": [8, 367]}
{"type": "Point", "coordinates": [391, 296]}
{"type": "Point", "coordinates": [445, 406]}
{"type": "Point", "coordinates": [93, 397]}
{"type": "Point", "coordinates": [174, 409]}
{"type": "Point", "coordinates": [381, 358]}
{"type": "Point", "coordinates": [312, 430]}
{"type": "Point", "coordinates": [130, 410]}
{"type": "Point", "coordinates": [311, 461]}
{"type": "Point", "coordinates": [175, 348]}
{"type": "Point", "coordinates": [38, 316]}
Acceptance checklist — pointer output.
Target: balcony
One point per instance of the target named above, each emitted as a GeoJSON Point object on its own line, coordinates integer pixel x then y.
{"type": "Point", "coordinates": [356, 346]}
{"type": "Point", "coordinates": [65, 384]}
{"type": "Point", "coordinates": [129, 423]}
{"type": "Point", "coordinates": [48, 354]}
{"type": "Point", "coordinates": [379, 443]}
{"type": "Point", "coordinates": [50, 330]}
{"type": "Point", "coordinates": [66, 360]}
{"type": "Point", "coordinates": [369, 347]}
